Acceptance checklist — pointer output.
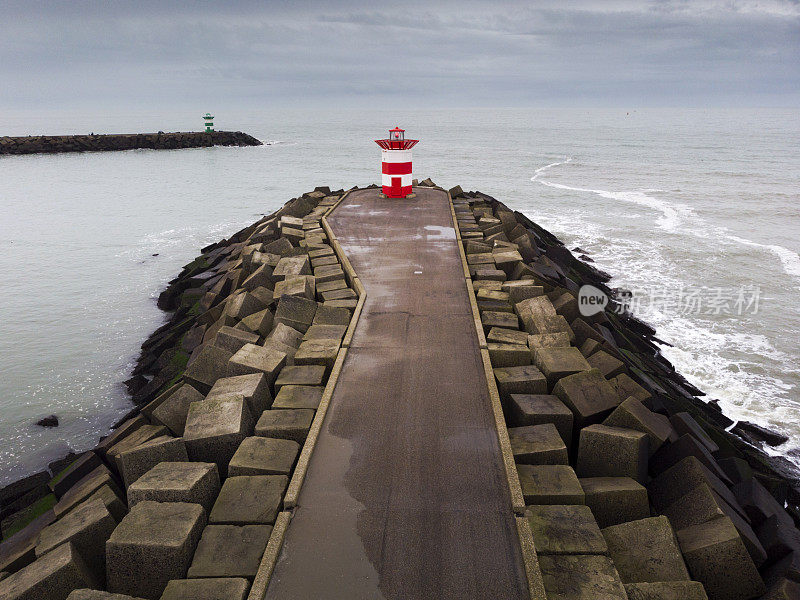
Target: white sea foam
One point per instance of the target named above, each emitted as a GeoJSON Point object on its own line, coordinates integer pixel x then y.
{"type": "Point", "coordinates": [789, 259]}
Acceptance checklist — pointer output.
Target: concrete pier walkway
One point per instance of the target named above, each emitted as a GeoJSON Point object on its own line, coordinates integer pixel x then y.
{"type": "Point", "coordinates": [405, 495]}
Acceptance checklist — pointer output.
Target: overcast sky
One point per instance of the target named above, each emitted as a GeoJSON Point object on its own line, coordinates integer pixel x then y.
{"type": "Point", "coordinates": [411, 54]}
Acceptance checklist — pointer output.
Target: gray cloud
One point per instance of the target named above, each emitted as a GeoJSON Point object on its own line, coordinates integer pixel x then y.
{"type": "Point", "coordinates": [416, 54]}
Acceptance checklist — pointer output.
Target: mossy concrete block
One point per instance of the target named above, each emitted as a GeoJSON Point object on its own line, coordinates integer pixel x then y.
{"type": "Point", "coordinates": [209, 365]}
{"type": "Point", "coordinates": [285, 335]}
{"type": "Point", "coordinates": [522, 290]}
{"type": "Point", "coordinates": [646, 551]}
{"type": "Point", "coordinates": [249, 500]}
{"type": "Point", "coordinates": [207, 589]}
{"type": "Point", "coordinates": [134, 440]}
{"type": "Point", "coordinates": [231, 339]}
{"type": "Point", "coordinates": [87, 527]}
{"type": "Point", "coordinates": [500, 335]}
{"type": "Point", "coordinates": [565, 529]}
{"type": "Point", "coordinates": [718, 559]}
{"type": "Point", "coordinates": [319, 331]}
{"type": "Point", "coordinates": [138, 461]}
{"type": "Point", "coordinates": [259, 322]}
{"type": "Point", "coordinates": [608, 365]}
{"type": "Point", "coordinates": [152, 545]}
{"type": "Point", "coordinates": [681, 478]}
{"type": "Point", "coordinates": [19, 550]}
{"type": "Point", "coordinates": [264, 456]}
{"type": "Point", "coordinates": [299, 396]}
{"type": "Point", "coordinates": [701, 504]}
{"type": "Point", "coordinates": [588, 395]}
{"type": "Point", "coordinates": [215, 428]}
{"type": "Point", "coordinates": [508, 355]}
{"type": "Point", "coordinates": [85, 488]}
{"type": "Point", "coordinates": [298, 313]}
{"type": "Point", "coordinates": [172, 411]}
{"type": "Point", "coordinates": [292, 265]}
{"type": "Point", "coordinates": [547, 340]}
{"type": "Point", "coordinates": [666, 590]}
{"type": "Point", "coordinates": [526, 379]}
{"type": "Point", "coordinates": [627, 387]}
{"type": "Point", "coordinates": [556, 363]}
{"type": "Point", "coordinates": [300, 375]}
{"type": "Point", "coordinates": [341, 294]}
{"type": "Point", "coordinates": [257, 359]}
{"type": "Point", "coordinates": [328, 273]}
{"type": "Point", "coordinates": [242, 305]}
{"type": "Point", "coordinates": [533, 309]}
{"type": "Point", "coordinates": [304, 286]}
{"type": "Point", "coordinates": [51, 577]}
{"type": "Point", "coordinates": [89, 461]}
{"type": "Point", "coordinates": [635, 415]}
{"type": "Point", "coordinates": [253, 387]}
{"type": "Point", "coordinates": [783, 589]}
{"type": "Point", "coordinates": [318, 352]}
{"type": "Point", "coordinates": [685, 446]}
{"type": "Point", "coordinates": [230, 551]}
{"type": "Point", "coordinates": [538, 445]}
{"type": "Point", "coordinates": [331, 315]}
{"type": "Point", "coordinates": [88, 594]}
{"type": "Point", "coordinates": [536, 409]}
{"type": "Point", "coordinates": [503, 320]}
{"type": "Point", "coordinates": [615, 500]}
{"type": "Point", "coordinates": [189, 482]}
{"type": "Point", "coordinates": [612, 452]}
{"type": "Point", "coordinates": [288, 424]}
{"type": "Point", "coordinates": [580, 577]}
{"type": "Point", "coordinates": [550, 484]}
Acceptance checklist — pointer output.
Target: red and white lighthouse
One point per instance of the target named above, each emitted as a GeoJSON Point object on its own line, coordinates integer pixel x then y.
{"type": "Point", "coordinates": [396, 163]}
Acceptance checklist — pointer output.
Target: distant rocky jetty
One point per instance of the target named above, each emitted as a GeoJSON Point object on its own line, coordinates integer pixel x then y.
{"type": "Point", "coordinates": [51, 144]}
{"type": "Point", "coordinates": [625, 475]}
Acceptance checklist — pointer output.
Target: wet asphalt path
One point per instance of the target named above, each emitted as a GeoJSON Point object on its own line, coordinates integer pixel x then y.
{"type": "Point", "coordinates": [405, 495]}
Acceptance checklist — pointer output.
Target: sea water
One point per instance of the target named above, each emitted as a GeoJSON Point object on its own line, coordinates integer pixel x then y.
{"type": "Point", "coordinates": [697, 212]}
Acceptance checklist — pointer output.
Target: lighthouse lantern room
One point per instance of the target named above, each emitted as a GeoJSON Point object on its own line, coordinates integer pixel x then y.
{"type": "Point", "coordinates": [396, 163]}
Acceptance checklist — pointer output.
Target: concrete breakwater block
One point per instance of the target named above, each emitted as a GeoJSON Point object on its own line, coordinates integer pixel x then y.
{"type": "Point", "coordinates": [171, 413]}
{"type": "Point", "coordinates": [257, 359]}
{"type": "Point", "coordinates": [51, 577]}
{"type": "Point", "coordinates": [646, 551]}
{"type": "Point", "coordinates": [615, 500]}
{"type": "Point", "coordinates": [253, 387]}
{"type": "Point", "coordinates": [634, 415]}
{"type": "Point", "coordinates": [190, 482]}
{"type": "Point", "coordinates": [231, 339]}
{"type": "Point", "coordinates": [88, 461]}
{"type": "Point", "coordinates": [19, 550]}
{"type": "Point", "coordinates": [229, 551]}
{"type": "Point", "coordinates": [567, 529]}
{"type": "Point", "coordinates": [717, 558]}
{"type": "Point", "coordinates": [152, 545]}
{"type": "Point", "coordinates": [136, 462]}
{"type": "Point", "coordinates": [580, 577]}
{"type": "Point", "coordinates": [264, 456]}
{"type": "Point", "coordinates": [87, 528]}
{"type": "Point", "coordinates": [89, 594]}
{"type": "Point", "coordinates": [84, 488]}
{"type": "Point", "coordinates": [289, 424]}
{"type": "Point", "coordinates": [536, 409]}
{"type": "Point", "coordinates": [525, 379]}
{"type": "Point", "coordinates": [612, 452]}
{"type": "Point", "coordinates": [508, 355]}
{"type": "Point", "coordinates": [207, 589]}
{"type": "Point", "coordinates": [249, 500]}
{"type": "Point", "coordinates": [299, 396]}
{"type": "Point", "coordinates": [208, 366]}
{"type": "Point", "coordinates": [666, 590]}
{"type": "Point", "coordinates": [215, 428]}
{"type": "Point", "coordinates": [538, 445]}
{"type": "Point", "coordinates": [550, 484]}
{"type": "Point", "coordinates": [296, 312]}
{"type": "Point", "coordinates": [588, 395]}
{"type": "Point", "coordinates": [312, 375]}
{"type": "Point", "coordinates": [556, 363]}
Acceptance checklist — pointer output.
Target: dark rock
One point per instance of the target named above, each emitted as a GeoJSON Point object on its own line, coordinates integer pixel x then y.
{"type": "Point", "coordinates": [22, 486]}
{"type": "Point", "coordinates": [751, 431]}
{"type": "Point", "coordinates": [51, 421]}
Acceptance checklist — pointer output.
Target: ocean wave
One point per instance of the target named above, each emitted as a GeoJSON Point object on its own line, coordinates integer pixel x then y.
{"type": "Point", "coordinates": [672, 214]}
{"type": "Point", "coordinates": [789, 259]}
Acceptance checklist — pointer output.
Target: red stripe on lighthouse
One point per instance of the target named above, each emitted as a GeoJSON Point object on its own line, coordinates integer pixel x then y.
{"type": "Point", "coordinates": [396, 168]}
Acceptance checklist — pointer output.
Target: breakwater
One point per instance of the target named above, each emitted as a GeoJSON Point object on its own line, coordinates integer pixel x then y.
{"type": "Point", "coordinates": [625, 483]}
{"type": "Point", "coordinates": [50, 144]}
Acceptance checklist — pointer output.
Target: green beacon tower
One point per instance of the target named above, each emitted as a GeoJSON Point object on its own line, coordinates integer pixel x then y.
{"type": "Point", "coordinates": [209, 119]}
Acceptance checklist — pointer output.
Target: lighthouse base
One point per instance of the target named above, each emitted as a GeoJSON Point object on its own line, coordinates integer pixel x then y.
{"type": "Point", "coordinates": [396, 191]}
